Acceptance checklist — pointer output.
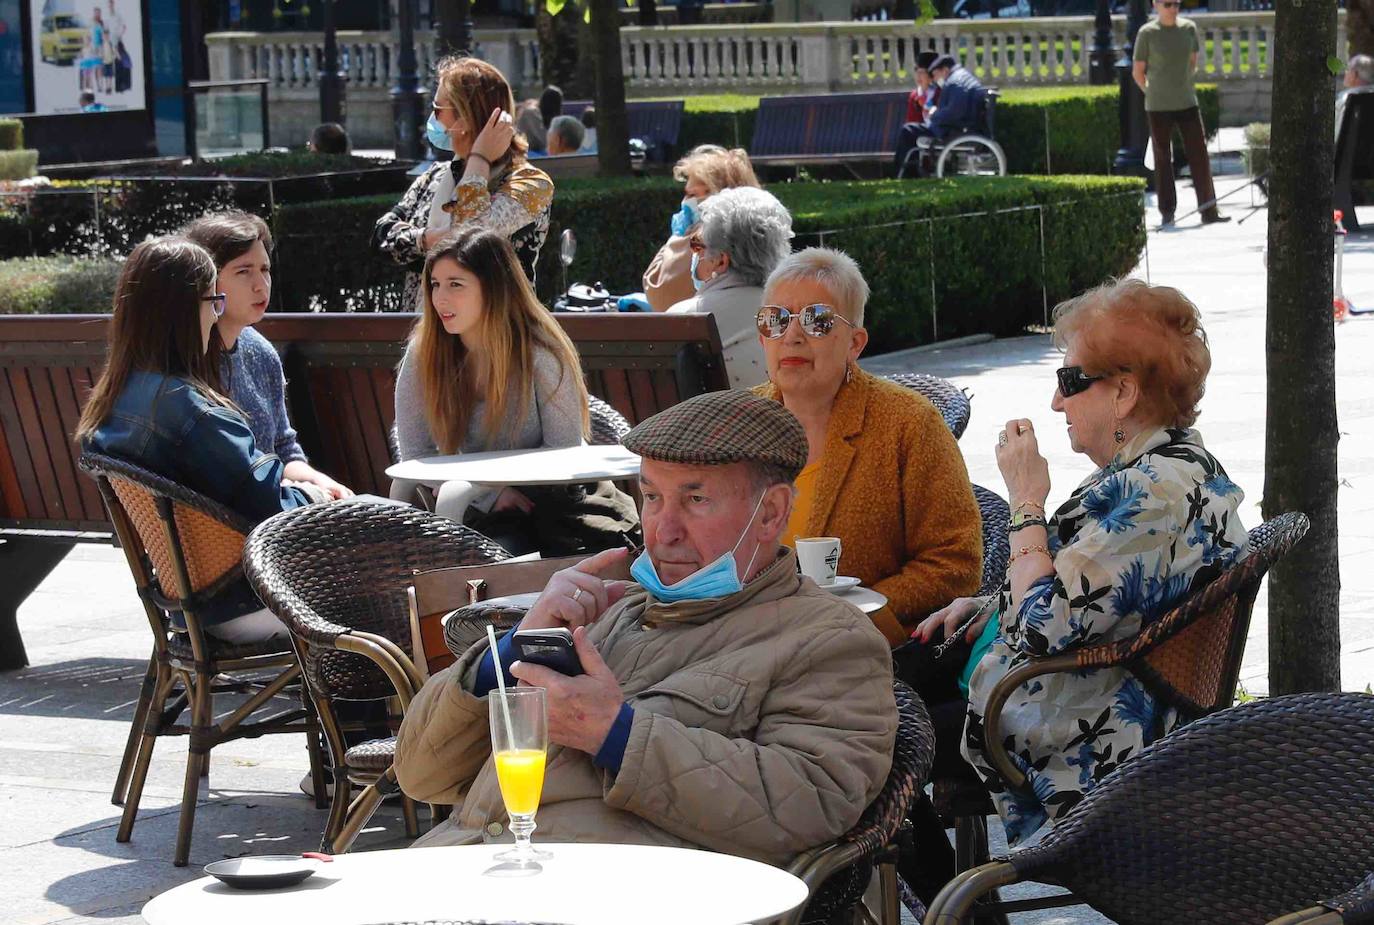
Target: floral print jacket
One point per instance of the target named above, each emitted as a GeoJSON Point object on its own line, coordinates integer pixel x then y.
{"type": "Point", "coordinates": [1131, 543]}
{"type": "Point", "coordinates": [515, 203]}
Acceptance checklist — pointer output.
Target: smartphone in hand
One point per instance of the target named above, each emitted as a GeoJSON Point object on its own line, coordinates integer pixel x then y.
{"type": "Point", "coordinates": [552, 648]}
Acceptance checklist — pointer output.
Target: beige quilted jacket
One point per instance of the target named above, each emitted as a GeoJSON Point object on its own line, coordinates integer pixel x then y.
{"type": "Point", "coordinates": [764, 724]}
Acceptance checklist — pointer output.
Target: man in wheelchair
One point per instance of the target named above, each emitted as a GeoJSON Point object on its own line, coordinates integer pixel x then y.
{"type": "Point", "coordinates": [962, 99]}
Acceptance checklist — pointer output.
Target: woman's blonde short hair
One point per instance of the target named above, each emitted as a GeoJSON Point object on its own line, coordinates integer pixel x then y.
{"type": "Point", "coordinates": [835, 270]}
{"type": "Point", "coordinates": [1155, 332]}
{"type": "Point", "coordinates": [716, 167]}
{"type": "Point", "coordinates": [476, 89]}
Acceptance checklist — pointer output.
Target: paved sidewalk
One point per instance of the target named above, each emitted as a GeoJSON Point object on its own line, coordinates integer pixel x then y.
{"type": "Point", "coordinates": [88, 641]}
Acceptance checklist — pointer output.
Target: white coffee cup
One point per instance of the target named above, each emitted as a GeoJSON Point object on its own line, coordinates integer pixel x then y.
{"type": "Point", "coordinates": [819, 557]}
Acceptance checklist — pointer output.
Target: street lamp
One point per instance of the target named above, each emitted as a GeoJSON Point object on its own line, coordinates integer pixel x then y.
{"type": "Point", "coordinates": [407, 103]}
{"type": "Point", "coordinates": [331, 80]}
{"type": "Point", "coordinates": [1102, 58]}
{"type": "Point", "coordinates": [1135, 129]}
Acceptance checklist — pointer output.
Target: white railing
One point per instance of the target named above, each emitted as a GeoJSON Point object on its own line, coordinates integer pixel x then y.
{"type": "Point", "coordinates": [801, 57]}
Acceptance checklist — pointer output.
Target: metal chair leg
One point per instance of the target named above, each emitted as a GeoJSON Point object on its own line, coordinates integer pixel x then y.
{"type": "Point", "coordinates": [152, 726]}
{"type": "Point", "coordinates": [197, 764]}
{"type": "Point", "coordinates": [358, 814]}
{"type": "Point", "coordinates": [955, 903]}
{"type": "Point", "coordinates": [145, 699]}
{"type": "Point", "coordinates": [411, 818]}
{"type": "Point", "coordinates": [890, 901]}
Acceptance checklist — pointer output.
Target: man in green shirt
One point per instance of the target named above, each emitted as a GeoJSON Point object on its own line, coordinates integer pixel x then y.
{"type": "Point", "coordinates": [1164, 65]}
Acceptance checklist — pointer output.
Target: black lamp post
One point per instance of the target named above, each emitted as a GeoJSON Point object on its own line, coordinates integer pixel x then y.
{"type": "Point", "coordinates": [331, 80]}
{"type": "Point", "coordinates": [453, 26]}
{"type": "Point", "coordinates": [407, 97]}
{"type": "Point", "coordinates": [1135, 129]}
{"type": "Point", "coordinates": [1102, 58]}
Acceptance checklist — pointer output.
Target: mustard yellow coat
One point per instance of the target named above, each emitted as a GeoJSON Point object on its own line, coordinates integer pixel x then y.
{"type": "Point", "coordinates": [893, 487]}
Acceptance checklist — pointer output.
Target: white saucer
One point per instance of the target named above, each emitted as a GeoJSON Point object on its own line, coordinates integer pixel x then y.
{"type": "Point", "coordinates": [841, 583]}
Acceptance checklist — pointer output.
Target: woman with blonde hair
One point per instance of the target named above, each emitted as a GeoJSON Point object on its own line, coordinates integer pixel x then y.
{"type": "Point", "coordinates": [705, 171]}
{"type": "Point", "coordinates": [488, 368]}
{"type": "Point", "coordinates": [488, 184]}
{"type": "Point", "coordinates": [158, 404]}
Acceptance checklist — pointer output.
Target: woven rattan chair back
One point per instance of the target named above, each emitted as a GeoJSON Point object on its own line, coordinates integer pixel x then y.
{"type": "Point", "coordinates": [996, 517]}
{"type": "Point", "coordinates": [608, 424]}
{"type": "Point", "coordinates": [950, 400]}
{"type": "Point", "coordinates": [1191, 656]}
{"type": "Point", "coordinates": [331, 569]}
{"type": "Point", "coordinates": [1236, 818]}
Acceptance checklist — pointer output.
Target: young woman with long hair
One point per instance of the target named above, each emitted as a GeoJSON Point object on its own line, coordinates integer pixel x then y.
{"type": "Point", "coordinates": [249, 366]}
{"type": "Point", "coordinates": [488, 368]}
{"type": "Point", "coordinates": [489, 183]}
{"type": "Point", "coordinates": [159, 404]}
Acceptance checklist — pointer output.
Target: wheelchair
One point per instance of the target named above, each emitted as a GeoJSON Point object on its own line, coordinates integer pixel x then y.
{"type": "Point", "coordinates": [973, 153]}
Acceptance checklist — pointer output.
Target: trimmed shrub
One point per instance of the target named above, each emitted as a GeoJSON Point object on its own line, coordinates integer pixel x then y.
{"type": "Point", "coordinates": [904, 234]}
{"type": "Point", "coordinates": [57, 285]}
{"type": "Point", "coordinates": [268, 164]}
{"type": "Point", "coordinates": [1256, 148]}
{"type": "Point", "coordinates": [11, 135]}
{"type": "Point", "coordinates": [719, 120]}
{"type": "Point", "coordinates": [18, 165]}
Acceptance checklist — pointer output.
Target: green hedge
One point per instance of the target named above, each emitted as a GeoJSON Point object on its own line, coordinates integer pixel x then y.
{"type": "Point", "coordinates": [57, 285]}
{"type": "Point", "coordinates": [721, 120]}
{"type": "Point", "coordinates": [18, 165]}
{"type": "Point", "coordinates": [1093, 228]}
{"type": "Point", "coordinates": [11, 134]}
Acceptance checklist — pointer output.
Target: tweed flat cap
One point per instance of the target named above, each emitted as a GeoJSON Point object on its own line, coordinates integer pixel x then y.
{"type": "Point", "coordinates": [719, 428]}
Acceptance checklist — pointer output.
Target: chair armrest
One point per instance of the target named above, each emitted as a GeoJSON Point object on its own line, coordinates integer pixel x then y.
{"type": "Point", "coordinates": [380, 652]}
{"type": "Point", "coordinates": [992, 714]}
{"type": "Point", "coordinates": [817, 865]}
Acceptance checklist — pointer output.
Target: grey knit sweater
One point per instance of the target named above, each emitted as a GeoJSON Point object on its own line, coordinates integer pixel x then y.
{"type": "Point", "coordinates": [253, 376]}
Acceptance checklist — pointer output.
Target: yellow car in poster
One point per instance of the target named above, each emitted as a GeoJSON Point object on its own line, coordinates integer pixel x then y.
{"type": "Point", "coordinates": [62, 38]}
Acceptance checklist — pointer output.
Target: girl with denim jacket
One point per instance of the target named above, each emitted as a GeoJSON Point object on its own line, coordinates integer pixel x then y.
{"type": "Point", "coordinates": [158, 404]}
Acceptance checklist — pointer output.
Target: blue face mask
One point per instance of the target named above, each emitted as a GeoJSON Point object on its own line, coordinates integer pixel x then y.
{"type": "Point", "coordinates": [685, 218]}
{"type": "Point", "coordinates": [719, 579]}
{"type": "Point", "coordinates": [435, 134]}
{"type": "Point", "coordinates": [696, 283]}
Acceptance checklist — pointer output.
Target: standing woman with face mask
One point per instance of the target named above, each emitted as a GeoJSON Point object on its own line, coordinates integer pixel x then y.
{"type": "Point", "coordinates": [705, 171]}
{"type": "Point", "coordinates": [159, 404]}
{"type": "Point", "coordinates": [488, 184]}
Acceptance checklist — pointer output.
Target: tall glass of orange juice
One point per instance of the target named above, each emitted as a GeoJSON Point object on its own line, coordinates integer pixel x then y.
{"type": "Point", "coordinates": [520, 738]}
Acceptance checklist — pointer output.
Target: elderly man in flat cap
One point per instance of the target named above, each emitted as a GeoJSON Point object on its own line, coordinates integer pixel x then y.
{"type": "Point", "coordinates": [727, 703]}
{"type": "Point", "coordinates": [960, 100]}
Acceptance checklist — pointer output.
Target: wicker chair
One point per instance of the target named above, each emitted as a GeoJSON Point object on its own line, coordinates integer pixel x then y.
{"type": "Point", "coordinates": [1354, 907]}
{"type": "Point", "coordinates": [952, 402]}
{"type": "Point", "coordinates": [1189, 659]}
{"type": "Point", "coordinates": [837, 874]}
{"type": "Point", "coordinates": [608, 425]}
{"type": "Point", "coordinates": [182, 548]}
{"type": "Point", "coordinates": [1232, 819]}
{"type": "Point", "coordinates": [337, 575]}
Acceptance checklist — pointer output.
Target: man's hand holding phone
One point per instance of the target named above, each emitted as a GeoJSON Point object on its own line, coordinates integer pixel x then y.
{"type": "Point", "coordinates": [582, 709]}
{"type": "Point", "coordinates": [577, 596]}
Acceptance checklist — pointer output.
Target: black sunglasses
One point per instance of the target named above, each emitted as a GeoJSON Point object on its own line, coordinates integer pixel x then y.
{"type": "Point", "coordinates": [1073, 380]}
{"type": "Point", "coordinates": [816, 320]}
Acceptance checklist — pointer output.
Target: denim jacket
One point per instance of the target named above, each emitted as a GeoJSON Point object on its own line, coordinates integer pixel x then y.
{"type": "Point", "coordinates": [164, 424]}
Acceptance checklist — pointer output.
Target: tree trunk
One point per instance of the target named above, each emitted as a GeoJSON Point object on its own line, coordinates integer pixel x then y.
{"type": "Point", "coordinates": [450, 37]}
{"type": "Point", "coordinates": [648, 12]}
{"type": "Point", "coordinates": [1359, 28]}
{"type": "Point", "coordinates": [612, 125]}
{"type": "Point", "coordinates": [1300, 430]}
{"type": "Point", "coordinates": [558, 47]}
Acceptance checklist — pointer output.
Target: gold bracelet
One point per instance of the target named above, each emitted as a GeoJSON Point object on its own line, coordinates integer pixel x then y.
{"type": "Point", "coordinates": [1032, 504]}
{"type": "Point", "coordinates": [1027, 550]}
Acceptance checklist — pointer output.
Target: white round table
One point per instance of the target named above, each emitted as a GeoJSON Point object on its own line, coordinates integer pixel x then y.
{"type": "Point", "coordinates": [592, 884]}
{"type": "Point", "coordinates": [498, 468]}
{"type": "Point", "coordinates": [866, 599]}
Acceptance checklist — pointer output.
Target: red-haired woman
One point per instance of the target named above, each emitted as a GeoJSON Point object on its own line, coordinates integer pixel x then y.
{"type": "Point", "coordinates": [1155, 521]}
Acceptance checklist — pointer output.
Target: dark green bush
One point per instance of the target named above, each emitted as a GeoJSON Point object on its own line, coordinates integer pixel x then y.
{"type": "Point", "coordinates": [57, 285]}
{"type": "Point", "coordinates": [986, 237]}
{"type": "Point", "coordinates": [18, 165]}
{"type": "Point", "coordinates": [268, 164]}
{"type": "Point", "coordinates": [718, 120]}
{"type": "Point", "coordinates": [11, 134]}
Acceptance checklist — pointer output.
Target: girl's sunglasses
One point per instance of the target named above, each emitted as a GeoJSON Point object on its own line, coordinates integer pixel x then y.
{"type": "Point", "coordinates": [216, 303]}
{"type": "Point", "coordinates": [1073, 380]}
{"type": "Point", "coordinates": [816, 320]}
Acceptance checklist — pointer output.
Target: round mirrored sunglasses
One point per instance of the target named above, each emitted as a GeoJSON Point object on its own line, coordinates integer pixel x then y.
{"type": "Point", "coordinates": [816, 320]}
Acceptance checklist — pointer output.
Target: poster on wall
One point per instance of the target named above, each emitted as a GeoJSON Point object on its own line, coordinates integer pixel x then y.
{"type": "Point", "coordinates": [87, 55]}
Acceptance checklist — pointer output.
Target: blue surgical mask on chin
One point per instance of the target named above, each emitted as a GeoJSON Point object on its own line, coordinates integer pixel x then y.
{"type": "Point", "coordinates": [718, 579]}
{"type": "Point", "coordinates": [435, 134]}
{"type": "Point", "coordinates": [696, 283]}
{"type": "Point", "coordinates": [685, 218]}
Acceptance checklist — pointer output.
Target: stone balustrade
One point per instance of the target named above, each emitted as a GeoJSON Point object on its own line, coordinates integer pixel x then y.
{"type": "Point", "coordinates": [771, 58]}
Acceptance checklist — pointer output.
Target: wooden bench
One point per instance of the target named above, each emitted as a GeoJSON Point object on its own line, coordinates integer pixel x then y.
{"type": "Point", "coordinates": [567, 166]}
{"type": "Point", "coordinates": [340, 371]}
{"type": "Point", "coordinates": [657, 122]}
{"type": "Point", "coordinates": [836, 128]}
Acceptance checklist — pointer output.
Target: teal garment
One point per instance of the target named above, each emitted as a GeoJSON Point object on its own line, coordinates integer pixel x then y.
{"type": "Point", "coordinates": [980, 648]}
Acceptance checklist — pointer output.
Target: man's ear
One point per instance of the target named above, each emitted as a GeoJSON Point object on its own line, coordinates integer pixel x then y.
{"type": "Point", "coordinates": [775, 511]}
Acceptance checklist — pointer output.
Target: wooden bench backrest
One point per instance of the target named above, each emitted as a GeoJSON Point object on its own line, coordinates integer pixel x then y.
{"type": "Point", "coordinates": [657, 122]}
{"type": "Point", "coordinates": [837, 123]}
{"type": "Point", "coordinates": [341, 377]}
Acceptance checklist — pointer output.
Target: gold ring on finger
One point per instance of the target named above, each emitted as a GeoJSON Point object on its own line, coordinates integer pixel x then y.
{"type": "Point", "coordinates": [577, 594]}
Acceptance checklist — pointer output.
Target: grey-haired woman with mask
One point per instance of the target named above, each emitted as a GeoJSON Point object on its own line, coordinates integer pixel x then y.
{"type": "Point", "coordinates": [742, 236]}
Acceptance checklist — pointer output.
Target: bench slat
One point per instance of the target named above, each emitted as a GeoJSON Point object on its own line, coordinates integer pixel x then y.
{"type": "Point", "coordinates": [50, 505]}
{"type": "Point", "coordinates": [59, 446]}
{"type": "Point", "coordinates": [12, 502]}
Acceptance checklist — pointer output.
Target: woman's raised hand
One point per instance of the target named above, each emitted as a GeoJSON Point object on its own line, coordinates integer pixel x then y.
{"type": "Point", "coordinates": [1023, 468]}
{"type": "Point", "coordinates": [493, 141]}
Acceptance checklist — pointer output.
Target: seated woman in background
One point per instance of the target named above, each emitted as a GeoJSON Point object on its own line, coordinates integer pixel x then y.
{"type": "Point", "coordinates": [744, 233]}
{"type": "Point", "coordinates": [488, 184]}
{"type": "Point", "coordinates": [488, 368]}
{"type": "Point", "coordinates": [884, 473]}
{"type": "Point", "coordinates": [249, 367]}
{"type": "Point", "coordinates": [158, 404]}
{"type": "Point", "coordinates": [1157, 520]}
{"type": "Point", "coordinates": [705, 171]}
